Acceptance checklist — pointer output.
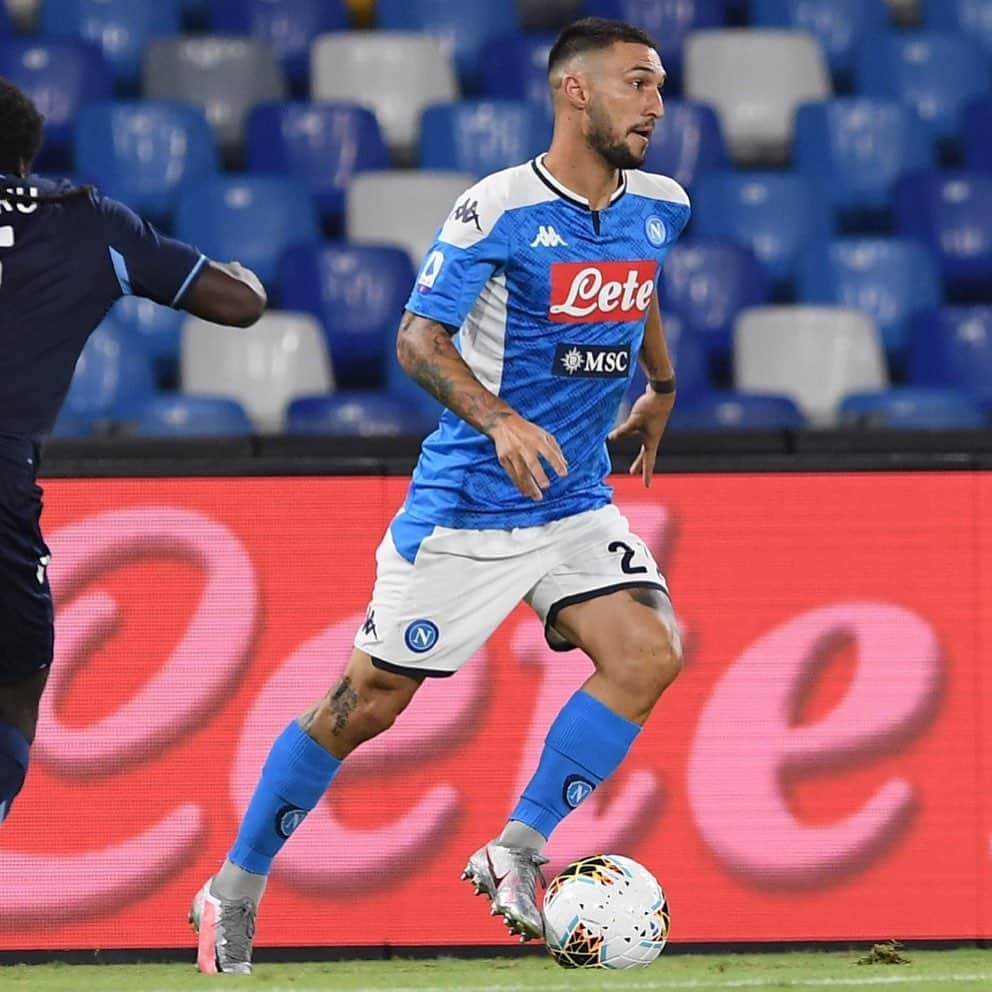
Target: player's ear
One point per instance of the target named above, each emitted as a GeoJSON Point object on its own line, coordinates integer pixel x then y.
{"type": "Point", "coordinates": [575, 89]}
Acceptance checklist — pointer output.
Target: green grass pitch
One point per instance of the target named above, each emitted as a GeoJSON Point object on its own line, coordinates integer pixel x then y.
{"type": "Point", "coordinates": [960, 970]}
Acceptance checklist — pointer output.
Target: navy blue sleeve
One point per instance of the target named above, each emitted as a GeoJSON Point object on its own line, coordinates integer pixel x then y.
{"type": "Point", "coordinates": [146, 262]}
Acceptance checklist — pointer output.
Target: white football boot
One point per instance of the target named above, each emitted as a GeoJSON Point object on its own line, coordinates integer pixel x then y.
{"type": "Point", "coordinates": [226, 928]}
{"type": "Point", "coordinates": [510, 877]}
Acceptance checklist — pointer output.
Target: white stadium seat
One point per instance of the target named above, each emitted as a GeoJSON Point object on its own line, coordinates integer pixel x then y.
{"type": "Point", "coordinates": [402, 208]}
{"type": "Point", "coordinates": [396, 74]}
{"type": "Point", "coordinates": [756, 79]}
{"type": "Point", "coordinates": [263, 367]}
{"type": "Point", "coordinates": [814, 355]}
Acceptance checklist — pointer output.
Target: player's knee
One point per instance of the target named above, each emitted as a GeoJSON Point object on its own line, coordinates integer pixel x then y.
{"type": "Point", "coordinates": [651, 653]}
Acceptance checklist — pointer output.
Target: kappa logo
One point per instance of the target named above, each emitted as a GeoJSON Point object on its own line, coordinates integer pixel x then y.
{"type": "Point", "coordinates": [592, 361]}
{"type": "Point", "coordinates": [594, 292]}
{"type": "Point", "coordinates": [548, 237]}
{"type": "Point", "coordinates": [368, 628]}
{"type": "Point", "coordinates": [468, 212]}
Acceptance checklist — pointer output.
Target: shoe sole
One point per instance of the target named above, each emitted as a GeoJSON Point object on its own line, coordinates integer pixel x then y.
{"type": "Point", "coordinates": [202, 918]}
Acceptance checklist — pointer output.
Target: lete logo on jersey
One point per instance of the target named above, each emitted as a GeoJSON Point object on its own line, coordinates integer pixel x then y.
{"type": "Point", "coordinates": [598, 292]}
{"type": "Point", "coordinates": [431, 270]}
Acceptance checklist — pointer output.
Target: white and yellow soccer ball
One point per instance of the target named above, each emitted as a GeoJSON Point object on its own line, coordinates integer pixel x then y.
{"type": "Point", "coordinates": [606, 911]}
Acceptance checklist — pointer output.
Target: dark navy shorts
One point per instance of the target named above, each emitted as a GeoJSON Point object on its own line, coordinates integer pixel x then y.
{"type": "Point", "coordinates": [26, 628]}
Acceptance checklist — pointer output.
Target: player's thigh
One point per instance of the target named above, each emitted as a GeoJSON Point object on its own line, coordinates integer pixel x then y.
{"type": "Point", "coordinates": [438, 599]}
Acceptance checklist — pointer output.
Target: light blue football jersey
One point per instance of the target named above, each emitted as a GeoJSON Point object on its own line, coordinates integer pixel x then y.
{"type": "Point", "coordinates": [550, 300]}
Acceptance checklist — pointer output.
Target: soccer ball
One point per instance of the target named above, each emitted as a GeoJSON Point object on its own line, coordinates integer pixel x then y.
{"type": "Point", "coordinates": [606, 911]}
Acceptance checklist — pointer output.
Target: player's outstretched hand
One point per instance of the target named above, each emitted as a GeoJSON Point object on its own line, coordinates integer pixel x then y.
{"type": "Point", "coordinates": [648, 419]}
{"type": "Point", "coordinates": [520, 447]}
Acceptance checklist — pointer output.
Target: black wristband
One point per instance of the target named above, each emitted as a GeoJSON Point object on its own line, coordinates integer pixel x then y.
{"type": "Point", "coordinates": [663, 385]}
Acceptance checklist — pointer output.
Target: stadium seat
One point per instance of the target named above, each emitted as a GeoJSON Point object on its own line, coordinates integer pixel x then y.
{"type": "Point", "coordinates": [667, 21]}
{"type": "Point", "coordinates": [516, 68]}
{"type": "Point", "coordinates": [814, 355]}
{"type": "Point", "coordinates": [288, 27]}
{"type": "Point", "coordinates": [855, 149]}
{"type": "Point", "coordinates": [226, 76]}
{"type": "Point", "coordinates": [357, 292]}
{"type": "Point", "coordinates": [6, 25]}
{"type": "Point", "coordinates": [113, 374]}
{"type": "Point", "coordinates": [481, 136]}
{"type": "Point", "coordinates": [934, 75]}
{"type": "Point", "coordinates": [706, 282]}
{"type": "Point", "coordinates": [968, 18]}
{"type": "Point", "coordinates": [838, 25]}
{"type": "Point", "coordinates": [252, 219]}
{"type": "Point", "coordinates": [179, 415]}
{"type": "Point", "coordinates": [978, 134]}
{"type": "Point", "coordinates": [403, 208]}
{"type": "Point", "coordinates": [464, 28]}
{"type": "Point", "coordinates": [263, 367]}
{"type": "Point", "coordinates": [688, 359]}
{"type": "Point", "coordinates": [321, 145]}
{"type": "Point", "coordinates": [59, 75]}
{"type": "Point", "coordinates": [952, 347]}
{"type": "Point", "coordinates": [728, 410]}
{"type": "Point", "coordinates": [355, 412]}
{"type": "Point", "coordinates": [951, 212]}
{"type": "Point", "coordinates": [157, 327]}
{"type": "Point", "coordinates": [890, 279]}
{"type": "Point", "coordinates": [548, 15]}
{"type": "Point", "coordinates": [122, 28]}
{"type": "Point", "coordinates": [912, 408]}
{"type": "Point", "coordinates": [687, 143]}
{"type": "Point", "coordinates": [755, 79]}
{"type": "Point", "coordinates": [395, 73]}
{"type": "Point", "coordinates": [774, 214]}
{"type": "Point", "coordinates": [144, 153]}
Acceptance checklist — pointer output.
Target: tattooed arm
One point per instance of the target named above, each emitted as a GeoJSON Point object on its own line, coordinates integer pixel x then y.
{"type": "Point", "coordinates": [427, 354]}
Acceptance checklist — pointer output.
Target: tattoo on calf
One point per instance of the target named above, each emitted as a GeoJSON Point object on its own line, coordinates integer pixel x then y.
{"type": "Point", "coordinates": [342, 703]}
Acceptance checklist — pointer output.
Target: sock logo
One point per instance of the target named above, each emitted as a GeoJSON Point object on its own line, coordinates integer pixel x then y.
{"type": "Point", "coordinates": [288, 819]}
{"type": "Point", "coordinates": [575, 790]}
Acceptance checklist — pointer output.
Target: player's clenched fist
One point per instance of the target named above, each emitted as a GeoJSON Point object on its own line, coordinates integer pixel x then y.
{"type": "Point", "coordinates": [520, 448]}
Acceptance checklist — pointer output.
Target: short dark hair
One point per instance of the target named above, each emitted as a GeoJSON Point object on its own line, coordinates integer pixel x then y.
{"type": "Point", "coordinates": [20, 128]}
{"type": "Point", "coordinates": [593, 34]}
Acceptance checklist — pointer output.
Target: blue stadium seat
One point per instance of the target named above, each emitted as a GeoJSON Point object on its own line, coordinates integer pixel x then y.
{"type": "Point", "coordinates": [59, 75]}
{"type": "Point", "coordinates": [856, 149]}
{"type": "Point", "coordinates": [287, 26]}
{"type": "Point", "coordinates": [687, 142]}
{"type": "Point", "coordinates": [667, 21]}
{"type": "Point", "coordinates": [968, 18]}
{"type": "Point", "coordinates": [951, 212]}
{"type": "Point", "coordinates": [144, 153]}
{"type": "Point", "coordinates": [933, 74]}
{"type": "Point", "coordinates": [6, 26]}
{"type": "Point", "coordinates": [707, 282]}
{"type": "Point", "coordinates": [891, 279]}
{"type": "Point", "coordinates": [978, 134]}
{"type": "Point", "coordinates": [122, 28]}
{"type": "Point", "coordinates": [775, 214]}
{"type": "Point", "coordinates": [159, 328]}
{"type": "Point", "coordinates": [113, 375]}
{"type": "Point", "coordinates": [355, 412]}
{"type": "Point", "coordinates": [838, 25]}
{"type": "Point", "coordinates": [251, 219]}
{"type": "Point", "coordinates": [688, 359]}
{"type": "Point", "coordinates": [729, 410]}
{"type": "Point", "coordinates": [912, 408]}
{"type": "Point", "coordinates": [953, 347]}
{"type": "Point", "coordinates": [468, 26]}
{"type": "Point", "coordinates": [516, 68]}
{"type": "Point", "coordinates": [481, 136]}
{"type": "Point", "coordinates": [357, 292]}
{"type": "Point", "coordinates": [181, 415]}
{"type": "Point", "coordinates": [321, 145]}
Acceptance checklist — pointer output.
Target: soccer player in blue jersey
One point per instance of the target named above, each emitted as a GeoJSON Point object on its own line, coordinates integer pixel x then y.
{"type": "Point", "coordinates": [547, 273]}
{"type": "Point", "coordinates": [66, 255]}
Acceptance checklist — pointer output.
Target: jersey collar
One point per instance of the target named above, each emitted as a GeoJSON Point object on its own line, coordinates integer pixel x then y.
{"type": "Point", "coordinates": [565, 193]}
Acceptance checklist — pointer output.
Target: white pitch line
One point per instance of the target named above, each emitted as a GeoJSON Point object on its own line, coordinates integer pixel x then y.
{"type": "Point", "coordinates": [674, 985]}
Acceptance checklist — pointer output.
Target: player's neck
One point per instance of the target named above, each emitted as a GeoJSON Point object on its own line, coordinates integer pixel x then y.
{"type": "Point", "coordinates": [578, 168]}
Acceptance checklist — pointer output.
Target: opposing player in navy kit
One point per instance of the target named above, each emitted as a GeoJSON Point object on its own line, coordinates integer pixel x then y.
{"type": "Point", "coordinates": [66, 255]}
{"type": "Point", "coordinates": [547, 273]}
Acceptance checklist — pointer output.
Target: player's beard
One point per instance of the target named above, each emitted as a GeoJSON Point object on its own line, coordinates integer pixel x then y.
{"type": "Point", "coordinates": [601, 139]}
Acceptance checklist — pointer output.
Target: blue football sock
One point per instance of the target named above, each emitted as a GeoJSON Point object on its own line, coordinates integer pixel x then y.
{"type": "Point", "coordinates": [585, 744]}
{"type": "Point", "coordinates": [14, 750]}
{"type": "Point", "coordinates": [296, 774]}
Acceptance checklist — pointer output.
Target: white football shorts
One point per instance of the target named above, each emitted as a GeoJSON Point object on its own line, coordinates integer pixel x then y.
{"type": "Point", "coordinates": [429, 615]}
